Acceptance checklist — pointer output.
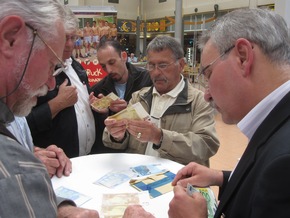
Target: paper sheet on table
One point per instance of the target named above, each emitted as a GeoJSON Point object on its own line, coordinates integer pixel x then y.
{"type": "Point", "coordinates": [73, 195]}
{"type": "Point", "coordinates": [133, 112]}
{"type": "Point", "coordinates": [115, 178]}
{"type": "Point", "coordinates": [103, 103]}
{"type": "Point", "coordinates": [156, 185]}
{"type": "Point", "coordinates": [114, 205]}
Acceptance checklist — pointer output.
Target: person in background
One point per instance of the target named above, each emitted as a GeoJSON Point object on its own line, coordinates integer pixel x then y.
{"type": "Point", "coordinates": [104, 32]}
{"type": "Point", "coordinates": [246, 64]}
{"type": "Point", "coordinates": [182, 125]}
{"type": "Point", "coordinates": [123, 79]}
{"type": "Point", "coordinates": [96, 36]}
{"type": "Point", "coordinates": [87, 33]}
{"type": "Point", "coordinates": [132, 58]}
{"type": "Point", "coordinates": [79, 44]}
{"type": "Point", "coordinates": [63, 116]}
{"type": "Point", "coordinates": [34, 30]}
{"type": "Point", "coordinates": [113, 32]}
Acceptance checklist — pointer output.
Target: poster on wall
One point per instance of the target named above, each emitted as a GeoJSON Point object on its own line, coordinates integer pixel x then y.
{"type": "Point", "coordinates": [96, 24]}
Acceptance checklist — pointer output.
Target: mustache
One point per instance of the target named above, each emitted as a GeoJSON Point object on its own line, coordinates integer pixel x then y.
{"type": "Point", "coordinates": [159, 78]}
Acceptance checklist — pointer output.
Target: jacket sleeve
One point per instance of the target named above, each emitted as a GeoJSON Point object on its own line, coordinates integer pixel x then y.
{"type": "Point", "coordinates": [188, 138]}
{"type": "Point", "coordinates": [40, 118]}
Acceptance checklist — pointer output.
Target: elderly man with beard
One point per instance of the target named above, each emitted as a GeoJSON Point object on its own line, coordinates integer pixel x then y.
{"type": "Point", "coordinates": [32, 29]}
{"type": "Point", "coordinates": [123, 79]}
{"type": "Point", "coordinates": [182, 125]}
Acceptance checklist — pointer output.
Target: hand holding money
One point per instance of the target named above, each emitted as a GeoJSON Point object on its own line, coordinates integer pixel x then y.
{"type": "Point", "coordinates": [182, 205]}
{"type": "Point", "coordinates": [116, 128]}
{"type": "Point", "coordinates": [102, 103]}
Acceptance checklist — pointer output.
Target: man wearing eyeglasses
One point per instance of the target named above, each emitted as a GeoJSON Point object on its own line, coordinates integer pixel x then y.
{"type": "Point", "coordinates": [246, 59]}
{"type": "Point", "coordinates": [34, 31]}
{"type": "Point", "coordinates": [182, 122]}
{"type": "Point", "coordinates": [64, 117]}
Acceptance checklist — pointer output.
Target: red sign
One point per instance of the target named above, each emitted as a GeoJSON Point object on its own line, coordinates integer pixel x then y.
{"type": "Point", "coordinates": [94, 70]}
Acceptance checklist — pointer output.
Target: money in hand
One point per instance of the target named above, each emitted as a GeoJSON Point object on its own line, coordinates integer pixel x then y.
{"type": "Point", "coordinates": [105, 102]}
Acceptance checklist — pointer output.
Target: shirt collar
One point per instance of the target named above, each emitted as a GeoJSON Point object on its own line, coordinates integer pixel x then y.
{"type": "Point", "coordinates": [6, 115]}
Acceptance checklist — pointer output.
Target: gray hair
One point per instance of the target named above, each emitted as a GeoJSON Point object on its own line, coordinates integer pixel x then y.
{"type": "Point", "coordinates": [71, 22]}
{"type": "Point", "coordinates": [40, 14]}
{"type": "Point", "coordinates": [262, 27]}
{"type": "Point", "coordinates": [161, 43]}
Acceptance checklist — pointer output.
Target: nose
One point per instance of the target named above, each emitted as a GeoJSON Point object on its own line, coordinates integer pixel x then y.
{"type": "Point", "coordinates": [51, 83]}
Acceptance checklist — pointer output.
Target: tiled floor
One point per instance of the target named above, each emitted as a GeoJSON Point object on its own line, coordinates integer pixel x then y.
{"type": "Point", "coordinates": [232, 145]}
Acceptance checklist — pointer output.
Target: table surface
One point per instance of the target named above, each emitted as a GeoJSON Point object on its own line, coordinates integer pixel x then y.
{"type": "Point", "coordinates": [88, 169]}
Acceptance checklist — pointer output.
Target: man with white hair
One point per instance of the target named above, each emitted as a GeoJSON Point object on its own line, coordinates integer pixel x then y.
{"type": "Point", "coordinates": [32, 29]}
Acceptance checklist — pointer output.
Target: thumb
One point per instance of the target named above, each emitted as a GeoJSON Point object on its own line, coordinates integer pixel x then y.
{"type": "Point", "coordinates": [65, 82]}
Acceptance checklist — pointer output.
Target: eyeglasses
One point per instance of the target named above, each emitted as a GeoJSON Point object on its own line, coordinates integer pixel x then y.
{"type": "Point", "coordinates": [202, 77]}
{"type": "Point", "coordinates": [162, 66]}
{"type": "Point", "coordinates": [61, 66]}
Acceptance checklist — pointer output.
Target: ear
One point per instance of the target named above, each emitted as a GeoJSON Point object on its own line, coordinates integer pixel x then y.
{"type": "Point", "coordinates": [181, 63]}
{"type": "Point", "coordinates": [12, 30]}
{"type": "Point", "coordinates": [124, 56]}
{"type": "Point", "coordinates": [244, 50]}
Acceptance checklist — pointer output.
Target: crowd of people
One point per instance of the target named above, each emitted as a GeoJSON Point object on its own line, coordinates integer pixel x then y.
{"type": "Point", "coordinates": [91, 35]}
{"type": "Point", "coordinates": [46, 115]}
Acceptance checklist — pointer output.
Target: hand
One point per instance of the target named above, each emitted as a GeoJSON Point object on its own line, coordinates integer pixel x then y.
{"type": "Point", "coordinates": [198, 175]}
{"type": "Point", "coordinates": [182, 205]}
{"type": "Point", "coordinates": [118, 105]}
{"type": "Point", "coordinates": [93, 99]}
{"type": "Point", "coordinates": [133, 211]}
{"type": "Point", "coordinates": [67, 95]}
{"type": "Point", "coordinates": [55, 160]}
{"type": "Point", "coordinates": [149, 131]}
{"type": "Point", "coordinates": [68, 211]}
{"type": "Point", "coordinates": [116, 128]}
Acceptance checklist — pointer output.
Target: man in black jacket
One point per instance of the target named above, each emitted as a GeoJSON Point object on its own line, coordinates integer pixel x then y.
{"type": "Point", "coordinates": [64, 117]}
{"type": "Point", "coordinates": [123, 79]}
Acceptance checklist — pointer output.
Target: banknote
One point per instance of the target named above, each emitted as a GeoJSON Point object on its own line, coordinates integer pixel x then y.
{"type": "Point", "coordinates": [114, 204]}
{"type": "Point", "coordinates": [103, 103]}
{"type": "Point", "coordinates": [132, 112]}
{"type": "Point", "coordinates": [208, 195]}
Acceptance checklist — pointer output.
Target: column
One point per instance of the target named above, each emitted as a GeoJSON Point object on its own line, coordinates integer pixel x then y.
{"type": "Point", "coordinates": [178, 21]}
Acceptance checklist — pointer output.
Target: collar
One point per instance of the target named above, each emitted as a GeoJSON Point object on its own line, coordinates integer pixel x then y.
{"type": "Point", "coordinates": [6, 115]}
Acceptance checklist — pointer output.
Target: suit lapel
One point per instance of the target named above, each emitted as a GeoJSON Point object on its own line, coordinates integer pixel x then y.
{"type": "Point", "coordinates": [272, 122]}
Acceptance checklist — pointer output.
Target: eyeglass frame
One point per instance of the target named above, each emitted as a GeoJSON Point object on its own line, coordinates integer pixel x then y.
{"type": "Point", "coordinates": [59, 67]}
{"type": "Point", "coordinates": [203, 69]}
{"type": "Point", "coordinates": [157, 66]}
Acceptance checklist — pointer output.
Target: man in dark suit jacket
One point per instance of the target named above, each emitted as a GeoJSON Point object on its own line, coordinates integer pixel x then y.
{"type": "Point", "coordinates": [246, 69]}
{"type": "Point", "coordinates": [64, 117]}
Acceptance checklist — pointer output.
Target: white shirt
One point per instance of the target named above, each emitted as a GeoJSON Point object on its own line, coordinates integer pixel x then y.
{"type": "Point", "coordinates": [20, 129]}
{"type": "Point", "coordinates": [160, 103]}
{"type": "Point", "coordinates": [85, 118]}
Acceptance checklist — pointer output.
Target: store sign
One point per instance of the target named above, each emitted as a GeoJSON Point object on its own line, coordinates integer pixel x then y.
{"type": "Point", "coordinates": [127, 26]}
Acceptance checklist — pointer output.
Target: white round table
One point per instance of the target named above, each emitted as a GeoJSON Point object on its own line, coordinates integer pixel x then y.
{"type": "Point", "coordinates": [88, 169]}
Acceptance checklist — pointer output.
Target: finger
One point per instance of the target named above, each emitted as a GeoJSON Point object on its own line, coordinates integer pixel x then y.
{"type": "Point", "coordinates": [65, 82]}
{"type": "Point", "coordinates": [68, 168]}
